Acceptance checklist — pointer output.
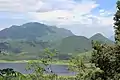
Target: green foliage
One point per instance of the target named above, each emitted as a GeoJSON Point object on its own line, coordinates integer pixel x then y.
{"type": "Point", "coordinates": [117, 24]}
{"type": "Point", "coordinates": [104, 62]}
{"type": "Point", "coordinates": [10, 74]}
{"type": "Point", "coordinates": [39, 70]}
{"type": "Point", "coordinates": [107, 57]}
{"type": "Point", "coordinates": [85, 71]}
{"type": "Point", "coordinates": [103, 57]}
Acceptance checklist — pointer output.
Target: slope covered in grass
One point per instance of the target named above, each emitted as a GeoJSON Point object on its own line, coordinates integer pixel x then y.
{"type": "Point", "coordinates": [74, 44]}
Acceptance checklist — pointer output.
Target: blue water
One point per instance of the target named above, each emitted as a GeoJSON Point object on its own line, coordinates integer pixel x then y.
{"type": "Point", "coordinates": [21, 67]}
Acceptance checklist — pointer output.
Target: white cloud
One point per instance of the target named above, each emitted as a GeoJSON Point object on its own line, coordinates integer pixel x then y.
{"type": "Point", "coordinates": [19, 5]}
{"type": "Point", "coordinates": [63, 13]}
{"type": "Point", "coordinates": [105, 13]}
{"type": "Point", "coordinates": [67, 16]}
{"type": "Point", "coordinates": [89, 30]}
{"type": "Point", "coordinates": [44, 5]}
{"type": "Point", "coordinates": [102, 10]}
{"type": "Point", "coordinates": [79, 14]}
{"type": "Point", "coordinates": [79, 19]}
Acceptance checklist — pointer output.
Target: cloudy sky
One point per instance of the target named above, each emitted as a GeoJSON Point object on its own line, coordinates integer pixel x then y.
{"type": "Point", "coordinates": [82, 17]}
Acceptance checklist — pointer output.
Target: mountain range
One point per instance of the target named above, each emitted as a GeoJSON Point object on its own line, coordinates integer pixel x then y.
{"type": "Point", "coordinates": [80, 44]}
{"type": "Point", "coordinates": [33, 37]}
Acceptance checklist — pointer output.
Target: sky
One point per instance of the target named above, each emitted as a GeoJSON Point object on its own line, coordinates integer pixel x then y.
{"type": "Point", "coordinates": [82, 17]}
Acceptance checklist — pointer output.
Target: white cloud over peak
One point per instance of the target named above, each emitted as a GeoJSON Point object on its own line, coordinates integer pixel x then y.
{"type": "Point", "coordinates": [64, 13]}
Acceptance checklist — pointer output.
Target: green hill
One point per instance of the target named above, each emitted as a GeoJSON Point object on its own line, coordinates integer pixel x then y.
{"type": "Point", "coordinates": [34, 30]}
{"type": "Point", "coordinates": [30, 47]}
{"type": "Point", "coordinates": [59, 34]}
{"type": "Point", "coordinates": [75, 44]}
{"type": "Point", "coordinates": [31, 38]}
{"type": "Point", "coordinates": [101, 38]}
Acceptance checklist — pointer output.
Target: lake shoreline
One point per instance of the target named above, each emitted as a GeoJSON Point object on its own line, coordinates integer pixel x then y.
{"type": "Point", "coordinates": [65, 62]}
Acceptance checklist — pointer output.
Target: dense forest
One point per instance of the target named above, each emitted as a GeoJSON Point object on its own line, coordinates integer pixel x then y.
{"type": "Point", "coordinates": [103, 62]}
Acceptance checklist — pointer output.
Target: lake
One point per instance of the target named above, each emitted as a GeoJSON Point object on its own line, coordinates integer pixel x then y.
{"type": "Point", "coordinates": [21, 67]}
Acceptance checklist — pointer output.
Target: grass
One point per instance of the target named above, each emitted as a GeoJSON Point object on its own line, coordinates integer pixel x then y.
{"type": "Point", "coordinates": [59, 76]}
{"type": "Point", "coordinates": [6, 61]}
{"type": "Point", "coordinates": [60, 62]}
{"type": "Point", "coordinates": [53, 63]}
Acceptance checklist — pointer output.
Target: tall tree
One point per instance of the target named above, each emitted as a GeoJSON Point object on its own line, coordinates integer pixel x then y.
{"type": "Point", "coordinates": [117, 24]}
{"type": "Point", "coordinates": [107, 57]}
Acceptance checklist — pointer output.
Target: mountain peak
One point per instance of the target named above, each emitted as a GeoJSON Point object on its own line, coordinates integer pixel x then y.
{"type": "Point", "coordinates": [34, 24]}
{"type": "Point", "coordinates": [101, 38]}
{"type": "Point", "coordinates": [98, 35]}
{"type": "Point", "coordinates": [29, 23]}
{"type": "Point", "coordinates": [32, 30]}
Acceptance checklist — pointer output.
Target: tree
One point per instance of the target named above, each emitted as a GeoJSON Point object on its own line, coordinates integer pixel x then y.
{"type": "Point", "coordinates": [117, 24]}
{"type": "Point", "coordinates": [39, 69]}
{"type": "Point", "coordinates": [10, 74]}
{"type": "Point", "coordinates": [84, 71]}
{"type": "Point", "coordinates": [107, 57]}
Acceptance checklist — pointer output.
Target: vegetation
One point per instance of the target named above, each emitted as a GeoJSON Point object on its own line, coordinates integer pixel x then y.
{"type": "Point", "coordinates": [101, 38]}
{"type": "Point", "coordinates": [31, 49]}
{"type": "Point", "coordinates": [107, 57]}
{"type": "Point", "coordinates": [103, 62]}
{"type": "Point", "coordinates": [74, 44]}
{"type": "Point", "coordinates": [26, 45]}
{"type": "Point", "coordinates": [32, 38]}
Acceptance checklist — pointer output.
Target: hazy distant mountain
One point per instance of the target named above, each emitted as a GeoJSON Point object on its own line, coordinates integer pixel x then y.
{"type": "Point", "coordinates": [112, 38]}
{"type": "Point", "coordinates": [34, 30]}
{"type": "Point", "coordinates": [80, 43]}
{"type": "Point", "coordinates": [101, 38]}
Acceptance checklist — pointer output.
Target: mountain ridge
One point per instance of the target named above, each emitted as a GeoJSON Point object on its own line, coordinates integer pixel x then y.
{"type": "Point", "coordinates": [59, 38]}
{"type": "Point", "coordinates": [32, 30]}
{"type": "Point", "coordinates": [80, 43]}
